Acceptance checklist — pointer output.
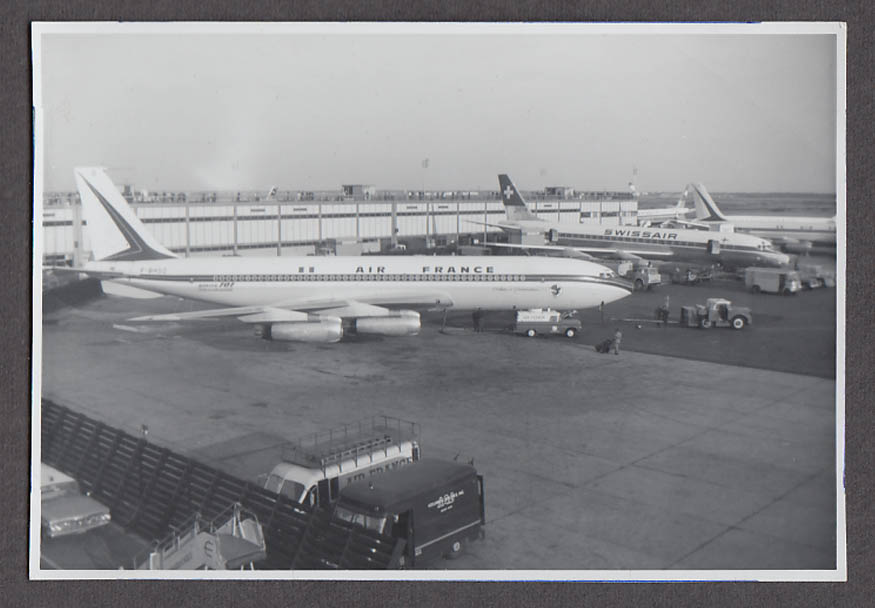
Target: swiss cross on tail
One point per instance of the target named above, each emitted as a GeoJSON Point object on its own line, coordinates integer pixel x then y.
{"type": "Point", "coordinates": [514, 205]}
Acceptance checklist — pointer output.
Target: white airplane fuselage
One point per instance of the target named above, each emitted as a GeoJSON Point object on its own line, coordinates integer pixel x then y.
{"type": "Point", "coordinates": [818, 230]}
{"type": "Point", "coordinates": [696, 246]}
{"type": "Point", "coordinates": [489, 282]}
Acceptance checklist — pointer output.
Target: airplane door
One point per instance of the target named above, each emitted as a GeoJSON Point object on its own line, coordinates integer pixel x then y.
{"type": "Point", "coordinates": [714, 247]}
{"type": "Point", "coordinates": [553, 235]}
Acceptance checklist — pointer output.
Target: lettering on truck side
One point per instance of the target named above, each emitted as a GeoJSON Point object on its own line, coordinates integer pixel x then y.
{"type": "Point", "coordinates": [445, 503]}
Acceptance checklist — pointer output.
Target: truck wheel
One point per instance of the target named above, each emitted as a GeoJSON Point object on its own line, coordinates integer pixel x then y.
{"type": "Point", "coordinates": [639, 285]}
{"type": "Point", "coordinates": [786, 292]}
{"type": "Point", "coordinates": [455, 550]}
{"type": "Point", "coordinates": [705, 323]}
{"type": "Point", "coordinates": [570, 332]}
{"type": "Point", "coordinates": [738, 322]}
{"type": "Point", "coordinates": [755, 289]}
{"type": "Point", "coordinates": [531, 333]}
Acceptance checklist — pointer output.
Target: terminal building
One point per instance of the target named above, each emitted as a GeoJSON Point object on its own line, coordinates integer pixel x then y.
{"type": "Point", "coordinates": [309, 223]}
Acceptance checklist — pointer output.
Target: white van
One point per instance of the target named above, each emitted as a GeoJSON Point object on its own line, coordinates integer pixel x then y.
{"type": "Point", "coordinates": [314, 469]}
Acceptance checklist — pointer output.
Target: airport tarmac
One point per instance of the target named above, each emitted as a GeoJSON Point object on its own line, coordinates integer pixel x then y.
{"type": "Point", "coordinates": [636, 461]}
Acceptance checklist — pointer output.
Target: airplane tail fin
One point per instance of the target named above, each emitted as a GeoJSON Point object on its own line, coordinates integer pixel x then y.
{"type": "Point", "coordinates": [271, 195]}
{"type": "Point", "coordinates": [514, 205]}
{"type": "Point", "coordinates": [706, 208]}
{"type": "Point", "coordinates": [115, 231]}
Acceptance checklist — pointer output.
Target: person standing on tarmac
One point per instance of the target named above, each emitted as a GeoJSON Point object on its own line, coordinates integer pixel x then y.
{"type": "Point", "coordinates": [618, 337]}
{"type": "Point", "coordinates": [477, 315]}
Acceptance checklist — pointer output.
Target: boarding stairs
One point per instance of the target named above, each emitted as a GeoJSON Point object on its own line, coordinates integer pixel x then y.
{"type": "Point", "coordinates": [201, 545]}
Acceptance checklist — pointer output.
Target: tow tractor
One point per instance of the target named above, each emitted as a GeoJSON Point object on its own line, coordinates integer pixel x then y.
{"type": "Point", "coordinates": [716, 312]}
{"type": "Point", "coordinates": [690, 276]}
{"type": "Point", "coordinates": [546, 321]}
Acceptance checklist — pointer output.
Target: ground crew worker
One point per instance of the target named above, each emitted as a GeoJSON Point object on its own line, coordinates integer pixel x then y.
{"type": "Point", "coordinates": [666, 311]}
{"type": "Point", "coordinates": [618, 337]}
{"type": "Point", "coordinates": [476, 315]}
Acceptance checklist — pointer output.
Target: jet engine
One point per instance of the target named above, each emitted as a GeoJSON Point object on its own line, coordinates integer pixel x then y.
{"type": "Point", "coordinates": [400, 323]}
{"type": "Point", "coordinates": [325, 329]}
{"type": "Point", "coordinates": [800, 247]}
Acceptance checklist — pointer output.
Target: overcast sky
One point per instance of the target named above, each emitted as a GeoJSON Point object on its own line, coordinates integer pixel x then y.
{"type": "Point", "coordinates": [304, 111]}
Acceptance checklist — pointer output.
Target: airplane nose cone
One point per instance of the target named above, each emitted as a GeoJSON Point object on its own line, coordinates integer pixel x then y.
{"type": "Point", "coordinates": [624, 288]}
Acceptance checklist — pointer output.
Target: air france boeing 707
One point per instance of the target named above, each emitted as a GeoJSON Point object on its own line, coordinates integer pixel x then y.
{"type": "Point", "coordinates": [317, 299]}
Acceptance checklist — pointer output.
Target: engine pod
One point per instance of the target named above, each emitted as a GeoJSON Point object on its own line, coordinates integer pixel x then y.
{"type": "Point", "coordinates": [401, 323]}
{"type": "Point", "coordinates": [325, 329]}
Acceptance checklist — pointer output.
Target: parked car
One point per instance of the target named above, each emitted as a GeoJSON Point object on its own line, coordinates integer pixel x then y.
{"type": "Point", "coordinates": [64, 509]}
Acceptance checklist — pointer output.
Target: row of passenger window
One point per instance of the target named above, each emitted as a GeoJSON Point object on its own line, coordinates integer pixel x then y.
{"type": "Point", "coordinates": [652, 241]}
{"type": "Point", "coordinates": [628, 239]}
{"type": "Point", "coordinates": [366, 277]}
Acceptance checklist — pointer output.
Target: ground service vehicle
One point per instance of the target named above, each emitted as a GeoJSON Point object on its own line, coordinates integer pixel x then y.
{"type": "Point", "coordinates": [813, 276]}
{"type": "Point", "coordinates": [690, 276]}
{"type": "Point", "coordinates": [64, 509]}
{"type": "Point", "coordinates": [315, 468]}
{"type": "Point", "coordinates": [772, 280]}
{"type": "Point", "coordinates": [436, 506]}
{"type": "Point", "coordinates": [545, 321]}
{"type": "Point", "coordinates": [643, 276]}
{"type": "Point", "coordinates": [716, 312]}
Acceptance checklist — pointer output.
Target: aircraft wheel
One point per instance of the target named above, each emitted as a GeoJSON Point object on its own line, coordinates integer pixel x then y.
{"type": "Point", "coordinates": [738, 322]}
{"type": "Point", "coordinates": [531, 333]}
{"type": "Point", "coordinates": [570, 332]}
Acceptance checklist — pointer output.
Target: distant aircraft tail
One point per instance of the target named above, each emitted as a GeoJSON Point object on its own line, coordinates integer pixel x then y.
{"type": "Point", "coordinates": [514, 205]}
{"type": "Point", "coordinates": [116, 233]}
{"type": "Point", "coordinates": [706, 208]}
{"type": "Point", "coordinates": [271, 195]}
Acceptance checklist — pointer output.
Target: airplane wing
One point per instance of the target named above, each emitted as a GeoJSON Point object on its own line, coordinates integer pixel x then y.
{"type": "Point", "coordinates": [609, 252]}
{"type": "Point", "coordinates": [97, 274]}
{"type": "Point", "coordinates": [687, 223]}
{"type": "Point", "coordinates": [377, 304]}
{"type": "Point", "coordinates": [492, 225]}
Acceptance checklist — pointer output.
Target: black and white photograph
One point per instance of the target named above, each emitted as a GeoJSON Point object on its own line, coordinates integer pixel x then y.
{"type": "Point", "coordinates": [446, 301]}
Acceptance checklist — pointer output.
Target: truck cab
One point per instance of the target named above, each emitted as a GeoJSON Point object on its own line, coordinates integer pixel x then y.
{"type": "Point", "coordinates": [436, 506]}
{"type": "Point", "coordinates": [315, 469]}
{"type": "Point", "coordinates": [716, 312]}
{"type": "Point", "coordinates": [643, 275]}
